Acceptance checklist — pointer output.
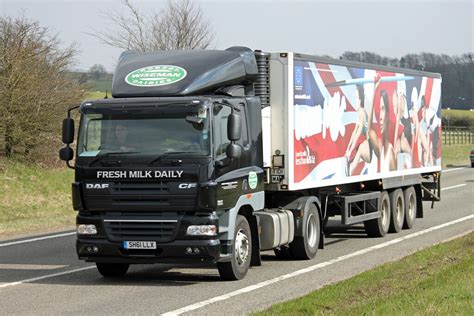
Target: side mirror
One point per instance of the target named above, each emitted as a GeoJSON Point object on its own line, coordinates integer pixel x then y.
{"type": "Point", "coordinates": [234, 127]}
{"type": "Point", "coordinates": [68, 130]}
{"type": "Point", "coordinates": [233, 151]}
{"type": "Point", "coordinates": [66, 154]}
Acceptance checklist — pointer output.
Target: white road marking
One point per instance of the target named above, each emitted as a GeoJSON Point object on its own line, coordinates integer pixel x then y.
{"type": "Point", "coordinates": [452, 169]}
{"type": "Point", "coordinates": [17, 266]}
{"type": "Point", "coordinates": [453, 187]}
{"type": "Point", "coordinates": [45, 277]}
{"type": "Point", "coordinates": [37, 239]}
{"type": "Point", "coordinates": [259, 285]}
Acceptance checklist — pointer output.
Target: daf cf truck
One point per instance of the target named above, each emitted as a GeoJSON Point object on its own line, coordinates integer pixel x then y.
{"type": "Point", "coordinates": [217, 155]}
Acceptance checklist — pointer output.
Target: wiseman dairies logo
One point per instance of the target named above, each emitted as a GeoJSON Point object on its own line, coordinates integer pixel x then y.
{"type": "Point", "coordinates": [154, 76]}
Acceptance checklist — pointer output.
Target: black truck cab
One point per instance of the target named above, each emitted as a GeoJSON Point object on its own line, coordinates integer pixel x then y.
{"type": "Point", "coordinates": [162, 169]}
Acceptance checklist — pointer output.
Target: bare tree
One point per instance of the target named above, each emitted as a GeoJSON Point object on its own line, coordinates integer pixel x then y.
{"type": "Point", "coordinates": [181, 25]}
{"type": "Point", "coordinates": [35, 87]}
{"type": "Point", "coordinates": [97, 71]}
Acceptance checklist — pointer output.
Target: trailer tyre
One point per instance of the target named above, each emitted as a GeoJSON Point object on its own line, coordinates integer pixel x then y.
{"type": "Point", "coordinates": [112, 270]}
{"type": "Point", "coordinates": [397, 211]}
{"type": "Point", "coordinates": [410, 207]}
{"type": "Point", "coordinates": [378, 227]}
{"type": "Point", "coordinates": [305, 247]}
{"type": "Point", "coordinates": [238, 266]}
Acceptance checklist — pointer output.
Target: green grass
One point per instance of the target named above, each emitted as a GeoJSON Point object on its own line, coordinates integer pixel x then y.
{"type": "Point", "coordinates": [456, 155]}
{"type": "Point", "coordinates": [34, 199]}
{"type": "Point", "coordinates": [435, 281]}
{"type": "Point", "coordinates": [101, 85]}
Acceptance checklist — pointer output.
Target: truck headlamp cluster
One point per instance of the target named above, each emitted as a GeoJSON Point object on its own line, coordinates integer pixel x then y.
{"type": "Point", "coordinates": [86, 229]}
{"type": "Point", "coordinates": [202, 230]}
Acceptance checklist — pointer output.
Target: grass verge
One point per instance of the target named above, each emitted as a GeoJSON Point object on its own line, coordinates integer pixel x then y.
{"type": "Point", "coordinates": [435, 281]}
{"type": "Point", "coordinates": [456, 155]}
{"type": "Point", "coordinates": [34, 199]}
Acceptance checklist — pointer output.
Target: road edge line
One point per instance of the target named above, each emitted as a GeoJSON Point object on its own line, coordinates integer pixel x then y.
{"type": "Point", "coordinates": [262, 284]}
{"type": "Point", "coordinates": [37, 239]}
{"type": "Point", "coordinates": [44, 277]}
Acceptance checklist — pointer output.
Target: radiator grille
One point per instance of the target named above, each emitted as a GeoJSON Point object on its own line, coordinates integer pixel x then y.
{"type": "Point", "coordinates": [143, 229]}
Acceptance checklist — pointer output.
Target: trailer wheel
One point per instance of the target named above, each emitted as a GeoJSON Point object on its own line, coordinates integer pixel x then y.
{"type": "Point", "coordinates": [282, 253]}
{"type": "Point", "coordinates": [305, 247]}
{"type": "Point", "coordinates": [237, 267]}
{"type": "Point", "coordinates": [378, 227]}
{"type": "Point", "coordinates": [112, 270]}
{"type": "Point", "coordinates": [409, 195]}
{"type": "Point", "coordinates": [397, 211]}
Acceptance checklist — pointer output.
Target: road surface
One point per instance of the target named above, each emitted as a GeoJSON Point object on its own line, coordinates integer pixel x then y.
{"type": "Point", "coordinates": [41, 275]}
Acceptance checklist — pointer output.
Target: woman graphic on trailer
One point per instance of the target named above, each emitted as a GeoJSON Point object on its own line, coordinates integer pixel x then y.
{"type": "Point", "coordinates": [360, 134]}
{"type": "Point", "coordinates": [381, 146]}
{"type": "Point", "coordinates": [421, 153]}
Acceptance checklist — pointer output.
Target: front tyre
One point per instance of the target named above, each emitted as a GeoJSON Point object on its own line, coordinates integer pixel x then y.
{"type": "Point", "coordinates": [305, 247]}
{"type": "Point", "coordinates": [112, 270]}
{"type": "Point", "coordinates": [238, 266]}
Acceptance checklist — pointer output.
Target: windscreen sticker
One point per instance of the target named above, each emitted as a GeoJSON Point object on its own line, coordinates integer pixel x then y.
{"type": "Point", "coordinates": [155, 76]}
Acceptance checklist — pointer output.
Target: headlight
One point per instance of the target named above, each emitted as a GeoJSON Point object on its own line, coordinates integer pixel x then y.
{"type": "Point", "coordinates": [89, 229]}
{"type": "Point", "coordinates": [202, 230]}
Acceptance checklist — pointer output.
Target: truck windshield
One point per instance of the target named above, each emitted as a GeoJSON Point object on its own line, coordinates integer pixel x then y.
{"type": "Point", "coordinates": [139, 134]}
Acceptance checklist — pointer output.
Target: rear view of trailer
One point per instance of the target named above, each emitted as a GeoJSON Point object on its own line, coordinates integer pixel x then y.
{"type": "Point", "coordinates": [333, 122]}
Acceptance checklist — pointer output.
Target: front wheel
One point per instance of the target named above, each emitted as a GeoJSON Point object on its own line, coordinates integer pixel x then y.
{"type": "Point", "coordinates": [238, 266]}
{"type": "Point", "coordinates": [112, 270]}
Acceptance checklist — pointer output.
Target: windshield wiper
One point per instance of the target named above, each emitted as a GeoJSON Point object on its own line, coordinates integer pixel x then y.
{"type": "Point", "coordinates": [111, 153]}
{"type": "Point", "coordinates": [165, 155]}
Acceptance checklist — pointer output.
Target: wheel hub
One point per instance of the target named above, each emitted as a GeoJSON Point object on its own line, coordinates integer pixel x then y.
{"type": "Point", "coordinates": [241, 247]}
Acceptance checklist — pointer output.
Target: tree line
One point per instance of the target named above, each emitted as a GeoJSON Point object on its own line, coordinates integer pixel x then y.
{"type": "Point", "coordinates": [457, 73]}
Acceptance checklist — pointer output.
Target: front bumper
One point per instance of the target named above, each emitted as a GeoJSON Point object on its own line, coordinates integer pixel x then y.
{"type": "Point", "coordinates": [173, 252]}
{"type": "Point", "coordinates": [173, 247]}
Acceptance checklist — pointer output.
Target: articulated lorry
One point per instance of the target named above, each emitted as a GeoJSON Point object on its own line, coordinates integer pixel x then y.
{"type": "Point", "coordinates": [216, 155]}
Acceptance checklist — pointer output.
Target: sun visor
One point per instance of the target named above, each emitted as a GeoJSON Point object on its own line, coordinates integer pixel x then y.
{"type": "Point", "coordinates": [183, 72]}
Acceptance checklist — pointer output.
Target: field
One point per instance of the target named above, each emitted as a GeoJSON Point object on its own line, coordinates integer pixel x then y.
{"type": "Point", "coordinates": [456, 155]}
{"type": "Point", "coordinates": [33, 199]}
{"type": "Point", "coordinates": [434, 281]}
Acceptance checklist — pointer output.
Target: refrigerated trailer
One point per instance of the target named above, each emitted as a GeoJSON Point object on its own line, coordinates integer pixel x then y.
{"type": "Point", "coordinates": [214, 156]}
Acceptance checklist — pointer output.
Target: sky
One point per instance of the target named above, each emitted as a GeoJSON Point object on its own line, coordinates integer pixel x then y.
{"type": "Point", "coordinates": [389, 28]}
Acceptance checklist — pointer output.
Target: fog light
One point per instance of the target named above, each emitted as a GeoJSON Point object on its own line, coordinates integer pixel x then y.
{"type": "Point", "coordinates": [89, 229]}
{"type": "Point", "coordinates": [202, 230]}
